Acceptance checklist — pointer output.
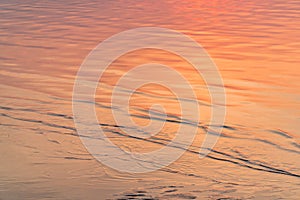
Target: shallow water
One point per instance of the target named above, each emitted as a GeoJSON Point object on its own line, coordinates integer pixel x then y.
{"type": "Point", "coordinates": [256, 46]}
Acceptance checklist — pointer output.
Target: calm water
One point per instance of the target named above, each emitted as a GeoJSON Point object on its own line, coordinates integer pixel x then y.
{"type": "Point", "coordinates": [256, 47]}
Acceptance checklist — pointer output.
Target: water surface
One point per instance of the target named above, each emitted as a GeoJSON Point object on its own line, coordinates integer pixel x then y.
{"type": "Point", "coordinates": [256, 46]}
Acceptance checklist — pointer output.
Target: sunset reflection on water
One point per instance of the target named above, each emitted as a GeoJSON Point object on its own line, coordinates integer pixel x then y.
{"type": "Point", "coordinates": [256, 47]}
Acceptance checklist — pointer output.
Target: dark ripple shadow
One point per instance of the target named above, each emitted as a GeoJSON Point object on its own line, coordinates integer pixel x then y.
{"type": "Point", "coordinates": [228, 158]}
{"type": "Point", "coordinates": [281, 133]}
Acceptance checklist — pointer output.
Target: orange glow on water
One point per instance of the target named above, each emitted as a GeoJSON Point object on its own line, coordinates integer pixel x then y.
{"type": "Point", "coordinates": [255, 45]}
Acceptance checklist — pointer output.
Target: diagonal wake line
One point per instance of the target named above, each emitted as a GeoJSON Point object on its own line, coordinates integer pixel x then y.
{"type": "Point", "coordinates": [240, 161]}
{"type": "Point", "coordinates": [247, 163]}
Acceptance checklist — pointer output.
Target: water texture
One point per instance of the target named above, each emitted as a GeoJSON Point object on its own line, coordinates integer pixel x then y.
{"type": "Point", "coordinates": [256, 46]}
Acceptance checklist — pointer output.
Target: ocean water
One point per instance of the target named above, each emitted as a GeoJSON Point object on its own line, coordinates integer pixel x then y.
{"type": "Point", "coordinates": [255, 45]}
